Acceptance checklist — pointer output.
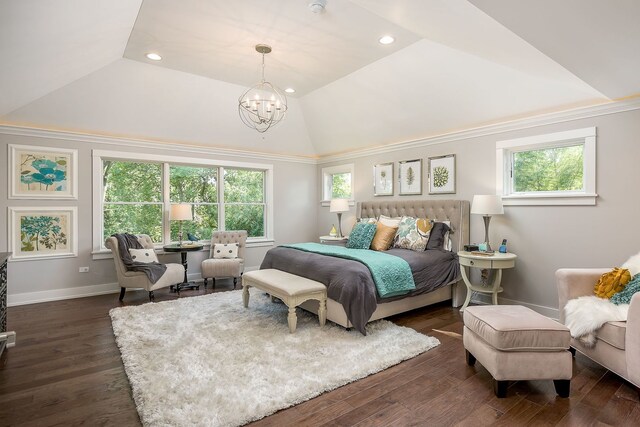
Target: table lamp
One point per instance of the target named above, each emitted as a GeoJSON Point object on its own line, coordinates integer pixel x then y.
{"type": "Point", "coordinates": [181, 212]}
{"type": "Point", "coordinates": [487, 205]}
{"type": "Point", "coordinates": [339, 206]}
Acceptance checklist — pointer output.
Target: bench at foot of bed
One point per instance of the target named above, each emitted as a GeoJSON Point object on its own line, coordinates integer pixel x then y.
{"type": "Point", "coordinates": [291, 289]}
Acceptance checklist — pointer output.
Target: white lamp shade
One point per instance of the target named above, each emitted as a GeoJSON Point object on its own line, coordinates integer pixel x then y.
{"type": "Point", "coordinates": [487, 205]}
{"type": "Point", "coordinates": [181, 212]}
{"type": "Point", "coordinates": [339, 205]}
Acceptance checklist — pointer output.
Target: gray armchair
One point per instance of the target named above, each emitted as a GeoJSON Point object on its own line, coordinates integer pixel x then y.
{"type": "Point", "coordinates": [137, 279]}
{"type": "Point", "coordinates": [225, 267]}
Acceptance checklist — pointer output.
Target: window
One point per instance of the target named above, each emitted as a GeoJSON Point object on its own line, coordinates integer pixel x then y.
{"type": "Point", "coordinates": [552, 169]}
{"type": "Point", "coordinates": [337, 182]}
{"type": "Point", "coordinates": [135, 191]}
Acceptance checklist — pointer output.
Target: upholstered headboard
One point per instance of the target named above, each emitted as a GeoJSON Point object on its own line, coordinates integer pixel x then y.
{"type": "Point", "coordinates": [455, 211]}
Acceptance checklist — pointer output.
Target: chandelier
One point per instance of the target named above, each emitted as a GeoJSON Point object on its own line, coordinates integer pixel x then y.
{"type": "Point", "coordinates": [262, 105]}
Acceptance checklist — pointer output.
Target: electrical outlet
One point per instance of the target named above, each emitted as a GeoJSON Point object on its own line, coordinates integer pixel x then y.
{"type": "Point", "coordinates": [83, 269]}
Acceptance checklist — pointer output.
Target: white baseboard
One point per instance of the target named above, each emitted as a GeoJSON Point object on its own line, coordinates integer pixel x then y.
{"type": "Point", "coordinates": [78, 292]}
{"type": "Point", "coordinates": [550, 312]}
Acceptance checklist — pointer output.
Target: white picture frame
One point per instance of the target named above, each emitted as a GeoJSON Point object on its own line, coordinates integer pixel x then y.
{"type": "Point", "coordinates": [410, 177]}
{"type": "Point", "coordinates": [43, 232]}
{"type": "Point", "coordinates": [442, 174]}
{"type": "Point", "coordinates": [383, 178]}
{"type": "Point", "coordinates": [37, 172]}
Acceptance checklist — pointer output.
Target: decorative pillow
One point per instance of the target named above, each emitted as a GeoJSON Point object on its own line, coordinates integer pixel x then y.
{"type": "Point", "coordinates": [633, 264]}
{"type": "Point", "coordinates": [145, 256]}
{"type": "Point", "coordinates": [413, 233]}
{"type": "Point", "coordinates": [438, 236]}
{"type": "Point", "coordinates": [390, 222]}
{"type": "Point", "coordinates": [366, 220]}
{"type": "Point", "coordinates": [624, 296]}
{"type": "Point", "coordinates": [383, 239]}
{"type": "Point", "coordinates": [612, 282]}
{"type": "Point", "coordinates": [361, 236]}
{"type": "Point", "coordinates": [226, 250]}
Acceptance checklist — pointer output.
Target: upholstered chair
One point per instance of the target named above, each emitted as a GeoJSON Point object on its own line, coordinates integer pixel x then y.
{"type": "Point", "coordinates": [137, 279]}
{"type": "Point", "coordinates": [225, 267]}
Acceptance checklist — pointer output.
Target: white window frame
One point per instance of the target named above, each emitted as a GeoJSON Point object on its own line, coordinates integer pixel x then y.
{"type": "Point", "coordinates": [327, 182]}
{"type": "Point", "coordinates": [504, 165]}
{"type": "Point", "coordinates": [100, 252]}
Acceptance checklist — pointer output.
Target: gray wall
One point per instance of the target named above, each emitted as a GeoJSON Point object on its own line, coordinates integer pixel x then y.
{"type": "Point", "coordinates": [295, 201]}
{"type": "Point", "coordinates": [545, 238]}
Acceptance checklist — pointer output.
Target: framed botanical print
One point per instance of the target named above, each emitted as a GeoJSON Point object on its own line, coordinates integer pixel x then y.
{"type": "Point", "coordinates": [410, 174]}
{"type": "Point", "coordinates": [442, 174]}
{"type": "Point", "coordinates": [383, 179]}
{"type": "Point", "coordinates": [43, 232]}
{"type": "Point", "coordinates": [42, 173]}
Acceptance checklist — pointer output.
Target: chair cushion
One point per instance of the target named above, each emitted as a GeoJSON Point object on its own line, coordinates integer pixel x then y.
{"type": "Point", "coordinates": [225, 250]}
{"type": "Point", "coordinates": [145, 256]}
{"type": "Point", "coordinates": [516, 328]}
{"type": "Point", "coordinates": [222, 267]}
{"type": "Point", "coordinates": [613, 334]}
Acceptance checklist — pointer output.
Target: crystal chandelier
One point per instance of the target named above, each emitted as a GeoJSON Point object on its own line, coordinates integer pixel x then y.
{"type": "Point", "coordinates": [262, 105]}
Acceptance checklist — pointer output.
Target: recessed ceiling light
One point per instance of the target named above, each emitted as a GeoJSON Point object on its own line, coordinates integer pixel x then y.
{"type": "Point", "coordinates": [154, 56]}
{"type": "Point", "coordinates": [386, 40]}
{"type": "Point", "coordinates": [290, 90]}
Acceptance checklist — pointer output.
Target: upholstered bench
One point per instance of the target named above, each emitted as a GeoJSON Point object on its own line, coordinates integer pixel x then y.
{"type": "Point", "coordinates": [515, 343]}
{"type": "Point", "coordinates": [291, 289]}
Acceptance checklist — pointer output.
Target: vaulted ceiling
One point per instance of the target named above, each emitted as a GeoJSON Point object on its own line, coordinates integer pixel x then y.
{"type": "Point", "coordinates": [455, 64]}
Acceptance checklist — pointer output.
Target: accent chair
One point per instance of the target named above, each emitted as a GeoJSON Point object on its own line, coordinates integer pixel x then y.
{"type": "Point", "coordinates": [225, 267]}
{"type": "Point", "coordinates": [137, 279]}
{"type": "Point", "coordinates": [618, 343]}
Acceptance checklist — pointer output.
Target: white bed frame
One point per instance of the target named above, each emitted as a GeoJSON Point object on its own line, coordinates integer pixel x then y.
{"type": "Point", "coordinates": [455, 211]}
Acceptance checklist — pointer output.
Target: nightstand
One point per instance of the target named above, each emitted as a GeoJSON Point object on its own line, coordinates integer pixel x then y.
{"type": "Point", "coordinates": [331, 240]}
{"type": "Point", "coordinates": [496, 262]}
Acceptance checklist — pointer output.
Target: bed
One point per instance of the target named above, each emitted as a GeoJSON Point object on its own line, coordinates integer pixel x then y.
{"type": "Point", "coordinates": [344, 278]}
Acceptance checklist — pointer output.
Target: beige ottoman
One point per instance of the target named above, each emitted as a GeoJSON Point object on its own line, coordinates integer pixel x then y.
{"type": "Point", "coordinates": [515, 343]}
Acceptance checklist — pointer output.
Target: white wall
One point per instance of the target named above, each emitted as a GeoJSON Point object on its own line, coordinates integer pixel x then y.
{"type": "Point", "coordinates": [545, 238]}
{"type": "Point", "coordinates": [31, 281]}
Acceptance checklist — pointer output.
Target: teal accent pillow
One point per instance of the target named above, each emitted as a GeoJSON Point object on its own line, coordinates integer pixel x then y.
{"type": "Point", "coordinates": [624, 296]}
{"type": "Point", "coordinates": [361, 236]}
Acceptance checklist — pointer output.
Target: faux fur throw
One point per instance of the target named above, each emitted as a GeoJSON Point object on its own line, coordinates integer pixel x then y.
{"type": "Point", "coordinates": [585, 315]}
{"type": "Point", "coordinates": [633, 264]}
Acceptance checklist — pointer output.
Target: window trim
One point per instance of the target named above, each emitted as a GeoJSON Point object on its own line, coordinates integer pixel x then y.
{"type": "Point", "coordinates": [505, 149]}
{"type": "Point", "coordinates": [326, 182]}
{"type": "Point", "coordinates": [100, 252]}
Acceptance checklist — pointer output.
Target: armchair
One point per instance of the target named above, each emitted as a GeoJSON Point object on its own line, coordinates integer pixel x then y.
{"type": "Point", "coordinates": [618, 343]}
{"type": "Point", "coordinates": [225, 267]}
{"type": "Point", "coordinates": [137, 279]}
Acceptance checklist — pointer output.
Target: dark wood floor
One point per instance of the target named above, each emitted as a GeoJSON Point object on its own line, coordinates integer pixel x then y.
{"type": "Point", "coordinates": [66, 370]}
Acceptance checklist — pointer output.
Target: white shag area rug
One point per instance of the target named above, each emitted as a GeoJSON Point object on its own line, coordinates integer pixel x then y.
{"type": "Point", "coordinates": [207, 360]}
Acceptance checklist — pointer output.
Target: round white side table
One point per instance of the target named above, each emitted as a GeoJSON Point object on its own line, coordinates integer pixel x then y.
{"type": "Point", "coordinates": [497, 262]}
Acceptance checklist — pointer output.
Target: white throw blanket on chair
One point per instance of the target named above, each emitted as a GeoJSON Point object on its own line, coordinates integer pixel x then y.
{"type": "Point", "coordinates": [585, 315]}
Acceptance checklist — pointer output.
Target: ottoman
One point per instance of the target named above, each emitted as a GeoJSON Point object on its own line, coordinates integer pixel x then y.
{"type": "Point", "coordinates": [515, 343]}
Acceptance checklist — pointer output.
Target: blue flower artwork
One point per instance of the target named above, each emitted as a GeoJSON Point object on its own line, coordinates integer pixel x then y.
{"type": "Point", "coordinates": [44, 172]}
{"type": "Point", "coordinates": [43, 233]}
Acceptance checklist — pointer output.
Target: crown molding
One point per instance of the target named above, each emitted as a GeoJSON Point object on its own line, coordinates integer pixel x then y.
{"type": "Point", "coordinates": [9, 129]}
{"type": "Point", "coordinates": [628, 104]}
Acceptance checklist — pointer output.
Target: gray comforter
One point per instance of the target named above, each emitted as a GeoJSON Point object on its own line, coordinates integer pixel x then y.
{"type": "Point", "coordinates": [350, 283]}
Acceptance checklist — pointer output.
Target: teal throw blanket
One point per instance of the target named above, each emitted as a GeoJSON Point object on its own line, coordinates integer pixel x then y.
{"type": "Point", "coordinates": [391, 274]}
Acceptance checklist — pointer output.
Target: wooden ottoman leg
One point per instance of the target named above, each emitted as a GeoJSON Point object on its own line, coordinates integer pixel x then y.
{"type": "Point", "coordinates": [471, 359]}
{"type": "Point", "coordinates": [293, 319]}
{"type": "Point", "coordinates": [245, 295]}
{"type": "Point", "coordinates": [500, 388]}
{"type": "Point", "coordinates": [322, 312]}
{"type": "Point", "coordinates": [563, 387]}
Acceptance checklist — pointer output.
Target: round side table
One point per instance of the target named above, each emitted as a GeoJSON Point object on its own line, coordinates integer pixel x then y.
{"type": "Point", "coordinates": [496, 262]}
{"type": "Point", "coordinates": [183, 249]}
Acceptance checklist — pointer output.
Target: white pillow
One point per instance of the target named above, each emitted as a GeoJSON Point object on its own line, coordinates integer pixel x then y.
{"type": "Point", "coordinates": [227, 250]}
{"type": "Point", "coordinates": [388, 221]}
{"type": "Point", "coordinates": [633, 264]}
{"type": "Point", "coordinates": [145, 256]}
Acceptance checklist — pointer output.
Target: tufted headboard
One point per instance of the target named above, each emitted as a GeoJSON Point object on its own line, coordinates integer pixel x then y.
{"type": "Point", "coordinates": [455, 211]}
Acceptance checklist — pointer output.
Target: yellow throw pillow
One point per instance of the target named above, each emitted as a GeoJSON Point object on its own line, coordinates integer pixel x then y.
{"type": "Point", "coordinates": [383, 238]}
{"type": "Point", "coordinates": [612, 282]}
